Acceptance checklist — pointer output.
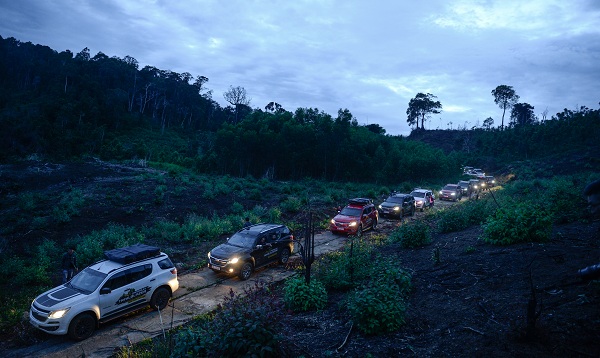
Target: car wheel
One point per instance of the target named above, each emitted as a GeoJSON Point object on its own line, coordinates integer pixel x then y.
{"type": "Point", "coordinates": [284, 256]}
{"type": "Point", "coordinates": [245, 271]}
{"type": "Point", "coordinates": [160, 298]}
{"type": "Point", "coordinates": [374, 226]}
{"type": "Point", "coordinates": [82, 327]}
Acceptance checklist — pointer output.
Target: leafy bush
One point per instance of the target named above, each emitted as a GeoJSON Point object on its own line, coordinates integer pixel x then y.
{"type": "Point", "coordinates": [291, 204]}
{"type": "Point", "coordinates": [91, 247]}
{"type": "Point", "coordinates": [346, 268]}
{"type": "Point", "coordinates": [300, 296]}
{"type": "Point", "coordinates": [197, 228]}
{"type": "Point", "coordinates": [379, 307]}
{"type": "Point", "coordinates": [526, 222]}
{"type": "Point", "coordinates": [244, 325]}
{"type": "Point", "coordinates": [411, 235]}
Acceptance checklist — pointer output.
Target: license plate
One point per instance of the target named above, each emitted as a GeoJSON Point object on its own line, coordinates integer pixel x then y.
{"type": "Point", "coordinates": [216, 268]}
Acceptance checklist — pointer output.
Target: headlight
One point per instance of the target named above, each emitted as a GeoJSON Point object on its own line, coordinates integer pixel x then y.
{"type": "Point", "coordinates": [453, 194]}
{"type": "Point", "coordinates": [209, 255]}
{"type": "Point", "coordinates": [380, 206]}
{"type": "Point", "coordinates": [396, 208]}
{"type": "Point", "coordinates": [58, 314]}
{"type": "Point", "coordinates": [475, 187]}
{"type": "Point", "coordinates": [234, 260]}
{"type": "Point", "coordinates": [352, 224]}
{"type": "Point", "coordinates": [441, 192]}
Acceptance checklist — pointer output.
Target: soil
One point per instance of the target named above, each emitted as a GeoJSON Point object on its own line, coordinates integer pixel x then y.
{"type": "Point", "coordinates": [469, 298]}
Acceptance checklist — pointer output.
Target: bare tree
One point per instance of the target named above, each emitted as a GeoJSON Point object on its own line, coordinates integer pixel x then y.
{"type": "Point", "coordinates": [237, 97]}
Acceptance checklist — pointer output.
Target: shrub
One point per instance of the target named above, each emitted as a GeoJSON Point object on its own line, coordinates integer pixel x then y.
{"type": "Point", "coordinates": [300, 296]}
{"type": "Point", "coordinates": [411, 235]}
{"type": "Point", "coordinates": [346, 268]}
{"type": "Point", "coordinates": [244, 325]}
{"type": "Point", "coordinates": [526, 222]}
{"type": "Point", "coordinates": [91, 247]}
{"type": "Point", "coordinates": [379, 307]}
{"type": "Point", "coordinates": [291, 204]}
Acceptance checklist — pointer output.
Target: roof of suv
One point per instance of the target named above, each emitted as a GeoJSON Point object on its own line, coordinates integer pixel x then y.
{"type": "Point", "coordinates": [258, 229]}
{"type": "Point", "coordinates": [361, 202]}
{"type": "Point", "coordinates": [418, 190]}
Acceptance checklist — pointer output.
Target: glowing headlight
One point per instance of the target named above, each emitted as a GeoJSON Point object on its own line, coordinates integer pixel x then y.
{"type": "Point", "coordinates": [58, 314]}
{"type": "Point", "coordinates": [209, 255]}
{"type": "Point", "coordinates": [440, 192]}
{"type": "Point", "coordinates": [453, 194]}
{"type": "Point", "coordinates": [352, 224]}
{"type": "Point", "coordinates": [396, 208]}
{"type": "Point", "coordinates": [475, 187]}
{"type": "Point", "coordinates": [380, 207]}
{"type": "Point", "coordinates": [234, 260]}
{"type": "Point", "coordinates": [332, 221]}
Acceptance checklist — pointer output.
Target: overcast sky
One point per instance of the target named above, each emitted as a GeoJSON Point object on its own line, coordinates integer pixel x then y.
{"type": "Point", "coordinates": [370, 57]}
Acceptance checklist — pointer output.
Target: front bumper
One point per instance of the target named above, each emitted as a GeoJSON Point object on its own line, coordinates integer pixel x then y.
{"type": "Point", "coordinates": [39, 319]}
{"type": "Point", "coordinates": [343, 228]}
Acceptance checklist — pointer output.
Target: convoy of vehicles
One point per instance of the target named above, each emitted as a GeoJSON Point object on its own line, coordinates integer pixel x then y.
{"type": "Point", "coordinates": [128, 279]}
{"type": "Point", "coordinates": [451, 192]}
{"type": "Point", "coordinates": [424, 198]}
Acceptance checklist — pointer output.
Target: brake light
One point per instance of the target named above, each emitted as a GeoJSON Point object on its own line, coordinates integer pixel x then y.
{"type": "Point", "coordinates": [174, 271]}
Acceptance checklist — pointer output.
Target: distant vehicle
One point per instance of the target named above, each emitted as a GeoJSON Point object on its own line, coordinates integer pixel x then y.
{"type": "Point", "coordinates": [424, 198]}
{"type": "Point", "coordinates": [359, 215]}
{"type": "Point", "coordinates": [490, 180]}
{"type": "Point", "coordinates": [466, 187]}
{"type": "Point", "coordinates": [476, 188]}
{"type": "Point", "coordinates": [467, 169]}
{"type": "Point", "coordinates": [128, 279]}
{"type": "Point", "coordinates": [250, 248]}
{"type": "Point", "coordinates": [451, 192]}
{"type": "Point", "coordinates": [398, 205]}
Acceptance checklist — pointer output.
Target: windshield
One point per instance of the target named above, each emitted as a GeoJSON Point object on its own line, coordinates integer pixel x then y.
{"type": "Point", "coordinates": [241, 239]}
{"type": "Point", "coordinates": [418, 194]}
{"type": "Point", "coordinates": [393, 199]}
{"type": "Point", "coordinates": [351, 211]}
{"type": "Point", "coordinates": [87, 280]}
{"type": "Point", "coordinates": [450, 187]}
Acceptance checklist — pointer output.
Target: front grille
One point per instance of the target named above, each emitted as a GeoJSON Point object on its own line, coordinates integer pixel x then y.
{"type": "Point", "coordinates": [217, 262]}
{"type": "Point", "coordinates": [39, 314]}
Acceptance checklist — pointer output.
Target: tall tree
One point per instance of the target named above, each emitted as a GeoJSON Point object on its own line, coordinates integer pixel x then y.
{"type": "Point", "coordinates": [421, 107]}
{"type": "Point", "coordinates": [237, 97]}
{"type": "Point", "coordinates": [522, 114]}
{"type": "Point", "coordinates": [505, 97]}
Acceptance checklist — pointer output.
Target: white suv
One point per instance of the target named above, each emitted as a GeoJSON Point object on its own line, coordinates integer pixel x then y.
{"type": "Point", "coordinates": [128, 279]}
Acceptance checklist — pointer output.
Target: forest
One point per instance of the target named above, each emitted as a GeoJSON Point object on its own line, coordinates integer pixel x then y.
{"type": "Point", "coordinates": [67, 106]}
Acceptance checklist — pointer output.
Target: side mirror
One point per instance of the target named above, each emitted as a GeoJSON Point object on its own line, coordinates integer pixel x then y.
{"type": "Point", "coordinates": [105, 291]}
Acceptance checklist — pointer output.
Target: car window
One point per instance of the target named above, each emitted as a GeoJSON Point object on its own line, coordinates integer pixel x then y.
{"type": "Point", "coordinates": [241, 240]}
{"type": "Point", "coordinates": [165, 264]}
{"type": "Point", "coordinates": [138, 273]}
{"type": "Point", "coordinates": [117, 280]}
{"type": "Point", "coordinates": [87, 280]}
{"type": "Point", "coordinates": [418, 194]}
{"type": "Point", "coordinates": [351, 211]}
{"type": "Point", "coordinates": [394, 199]}
{"type": "Point", "coordinates": [450, 187]}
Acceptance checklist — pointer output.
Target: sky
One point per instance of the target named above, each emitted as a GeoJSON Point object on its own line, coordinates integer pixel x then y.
{"type": "Point", "coordinates": [370, 57]}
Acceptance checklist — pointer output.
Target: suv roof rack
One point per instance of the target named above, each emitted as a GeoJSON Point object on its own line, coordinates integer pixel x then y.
{"type": "Point", "coordinates": [129, 254]}
{"type": "Point", "coordinates": [360, 201]}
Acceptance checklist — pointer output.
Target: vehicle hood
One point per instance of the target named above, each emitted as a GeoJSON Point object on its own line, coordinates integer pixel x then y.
{"type": "Point", "coordinates": [387, 204]}
{"type": "Point", "coordinates": [59, 297]}
{"type": "Point", "coordinates": [345, 218]}
{"type": "Point", "coordinates": [227, 251]}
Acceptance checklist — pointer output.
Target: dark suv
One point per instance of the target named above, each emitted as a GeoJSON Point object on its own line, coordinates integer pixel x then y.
{"type": "Point", "coordinates": [250, 248]}
{"type": "Point", "coordinates": [451, 192]}
{"type": "Point", "coordinates": [359, 215]}
{"type": "Point", "coordinates": [398, 205]}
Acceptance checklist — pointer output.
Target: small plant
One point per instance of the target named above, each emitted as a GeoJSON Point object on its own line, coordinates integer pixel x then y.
{"type": "Point", "coordinates": [526, 222]}
{"type": "Point", "coordinates": [379, 307]}
{"type": "Point", "coordinates": [411, 235]}
{"type": "Point", "coordinates": [470, 250]}
{"type": "Point", "coordinates": [300, 296]}
{"type": "Point", "coordinates": [435, 256]}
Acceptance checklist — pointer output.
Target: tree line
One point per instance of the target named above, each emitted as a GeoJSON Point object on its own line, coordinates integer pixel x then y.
{"type": "Point", "coordinates": [68, 106]}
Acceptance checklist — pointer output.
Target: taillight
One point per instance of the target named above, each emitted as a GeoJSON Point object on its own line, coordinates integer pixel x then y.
{"type": "Point", "coordinates": [174, 271]}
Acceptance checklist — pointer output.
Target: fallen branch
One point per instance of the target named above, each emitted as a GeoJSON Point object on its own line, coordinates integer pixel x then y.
{"type": "Point", "coordinates": [474, 330]}
{"type": "Point", "coordinates": [346, 339]}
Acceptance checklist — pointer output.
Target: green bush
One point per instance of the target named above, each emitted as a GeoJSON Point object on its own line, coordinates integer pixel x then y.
{"type": "Point", "coordinates": [347, 268]}
{"type": "Point", "coordinates": [291, 204]}
{"type": "Point", "coordinates": [197, 228]}
{"type": "Point", "coordinates": [300, 296]}
{"type": "Point", "coordinates": [411, 235]}
{"type": "Point", "coordinates": [243, 326]}
{"type": "Point", "coordinates": [380, 306]}
{"type": "Point", "coordinates": [525, 222]}
{"type": "Point", "coordinates": [91, 247]}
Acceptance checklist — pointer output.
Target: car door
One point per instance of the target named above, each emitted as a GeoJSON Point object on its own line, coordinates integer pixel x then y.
{"type": "Point", "coordinates": [124, 290]}
{"type": "Point", "coordinates": [367, 219]}
{"type": "Point", "coordinates": [261, 250]}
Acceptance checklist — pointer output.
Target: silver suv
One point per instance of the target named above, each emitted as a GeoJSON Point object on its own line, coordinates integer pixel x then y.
{"type": "Point", "coordinates": [128, 279]}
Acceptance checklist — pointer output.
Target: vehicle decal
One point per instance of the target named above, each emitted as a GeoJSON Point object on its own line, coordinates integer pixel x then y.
{"type": "Point", "coordinates": [131, 295]}
{"type": "Point", "coordinates": [55, 297]}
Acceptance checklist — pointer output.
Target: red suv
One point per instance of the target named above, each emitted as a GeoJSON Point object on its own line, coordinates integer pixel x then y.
{"type": "Point", "coordinates": [359, 215]}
